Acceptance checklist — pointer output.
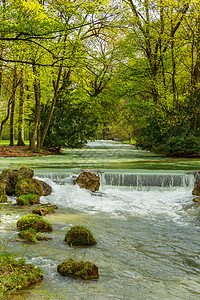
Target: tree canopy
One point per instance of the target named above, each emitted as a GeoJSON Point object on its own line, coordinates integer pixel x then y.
{"type": "Point", "coordinates": [77, 70]}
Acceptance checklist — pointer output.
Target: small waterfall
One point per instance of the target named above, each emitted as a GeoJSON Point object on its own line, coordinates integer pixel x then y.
{"type": "Point", "coordinates": [121, 178]}
{"type": "Point", "coordinates": [61, 177]}
{"type": "Point", "coordinates": [140, 180]}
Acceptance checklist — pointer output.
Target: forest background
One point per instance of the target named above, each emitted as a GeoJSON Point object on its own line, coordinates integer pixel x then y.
{"type": "Point", "coordinates": [73, 70]}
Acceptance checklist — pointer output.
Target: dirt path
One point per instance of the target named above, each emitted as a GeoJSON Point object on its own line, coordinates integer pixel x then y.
{"type": "Point", "coordinates": [15, 151]}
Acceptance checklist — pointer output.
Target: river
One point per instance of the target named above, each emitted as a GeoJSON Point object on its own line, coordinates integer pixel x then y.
{"type": "Point", "coordinates": [144, 219]}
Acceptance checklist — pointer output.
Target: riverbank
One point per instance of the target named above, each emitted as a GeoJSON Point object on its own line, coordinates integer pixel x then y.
{"type": "Point", "coordinates": [21, 151]}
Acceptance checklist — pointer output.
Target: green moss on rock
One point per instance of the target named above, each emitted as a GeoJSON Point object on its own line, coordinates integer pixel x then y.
{"type": "Point", "coordinates": [16, 274]}
{"type": "Point", "coordinates": [32, 186]}
{"type": "Point", "coordinates": [35, 222]}
{"type": "Point", "coordinates": [9, 177]}
{"type": "Point", "coordinates": [28, 186]}
{"type": "Point", "coordinates": [31, 235]}
{"type": "Point", "coordinates": [81, 270]}
{"type": "Point", "coordinates": [44, 209]}
{"type": "Point", "coordinates": [29, 199]}
{"type": "Point", "coordinates": [3, 196]}
{"type": "Point", "coordinates": [196, 190]}
{"type": "Point", "coordinates": [80, 235]}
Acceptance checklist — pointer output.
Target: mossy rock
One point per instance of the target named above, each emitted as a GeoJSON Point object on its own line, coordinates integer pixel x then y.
{"type": "Point", "coordinates": [31, 235]}
{"type": "Point", "coordinates": [16, 275]}
{"type": "Point", "coordinates": [32, 186]}
{"type": "Point", "coordinates": [80, 235]}
{"type": "Point", "coordinates": [81, 270]}
{"type": "Point", "coordinates": [196, 190]}
{"type": "Point", "coordinates": [29, 199]}
{"type": "Point", "coordinates": [3, 196]}
{"type": "Point", "coordinates": [9, 177]}
{"type": "Point", "coordinates": [35, 222]}
{"type": "Point", "coordinates": [44, 209]}
{"type": "Point", "coordinates": [88, 180]}
{"type": "Point", "coordinates": [197, 199]}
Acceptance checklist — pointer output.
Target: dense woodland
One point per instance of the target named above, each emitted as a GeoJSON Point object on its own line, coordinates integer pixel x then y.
{"type": "Point", "coordinates": [73, 70]}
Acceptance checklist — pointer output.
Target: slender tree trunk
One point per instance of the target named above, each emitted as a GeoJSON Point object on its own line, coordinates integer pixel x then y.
{"type": "Point", "coordinates": [34, 127]}
{"type": "Point", "coordinates": [6, 118]}
{"type": "Point", "coordinates": [12, 108]}
{"type": "Point", "coordinates": [21, 112]}
{"type": "Point", "coordinates": [56, 92]}
{"type": "Point", "coordinates": [195, 80]}
{"type": "Point", "coordinates": [1, 55]}
{"type": "Point", "coordinates": [1, 66]}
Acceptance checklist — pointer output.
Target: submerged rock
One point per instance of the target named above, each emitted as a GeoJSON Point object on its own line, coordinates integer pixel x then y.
{"type": "Point", "coordinates": [82, 270]}
{"type": "Point", "coordinates": [80, 235]}
{"type": "Point", "coordinates": [29, 199]}
{"type": "Point", "coordinates": [196, 190]}
{"type": "Point", "coordinates": [44, 209]}
{"type": "Point", "coordinates": [89, 181]}
{"type": "Point", "coordinates": [35, 222]}
{"type": "Point", "coordinates": [31, 235]}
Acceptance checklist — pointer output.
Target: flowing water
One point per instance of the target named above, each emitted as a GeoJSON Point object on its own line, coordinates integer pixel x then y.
{"type": "Point", "coordinates": [145, 221]}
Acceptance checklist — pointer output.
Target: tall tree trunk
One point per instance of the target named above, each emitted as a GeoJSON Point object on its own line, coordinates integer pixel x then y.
{"type": "Point", "coordinates": [34, 127]}
{"type": "Point", "coordinates": [1, 66]}
{"type": "Point", "coordinates": [195, 80]}
{"type": "Point", "coordinates": [12, 108]}
{"type": "Point", "coordinates": [1, 56]}
{"type": "Point", "coordinates": [21, 112]}
{"type": "Point", "coordinates": [56, 92]}
{"type": "Point", "coordinates": [3, 122]}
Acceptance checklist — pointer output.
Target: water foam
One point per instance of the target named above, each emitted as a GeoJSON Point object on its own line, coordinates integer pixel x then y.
{"type": "Point", "coordinates": [120, 202]}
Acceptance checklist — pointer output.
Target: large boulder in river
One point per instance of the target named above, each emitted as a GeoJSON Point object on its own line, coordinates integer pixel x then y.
{"type": "Point", "coordinates": [89, 181]}
{"type": "Point", "coordinates": [82, 270]}
{"type": "Point", "coordinates": [9, 178]}
{"type": "Point", "coordinates": [32, 186]}
{"type": "Point", "coordinates": [196, 190]}
{"type": "Point", "coordinates": [20, 182]}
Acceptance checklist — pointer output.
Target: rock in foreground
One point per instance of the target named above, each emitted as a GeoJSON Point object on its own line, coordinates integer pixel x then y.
{"type": "Point", "coordinates": [81, 270]}
{"type": "Point", "coordinates": [89, 181]}
{"type": "Point", "coordinates": [15, 275]}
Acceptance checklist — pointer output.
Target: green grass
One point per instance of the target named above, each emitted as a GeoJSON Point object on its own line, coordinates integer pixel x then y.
{"type": "Point", "coordinates": [7, 142]}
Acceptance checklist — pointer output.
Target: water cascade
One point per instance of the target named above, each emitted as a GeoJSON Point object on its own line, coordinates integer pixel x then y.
{"type": "Point", "coordinates": [141, 180]}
